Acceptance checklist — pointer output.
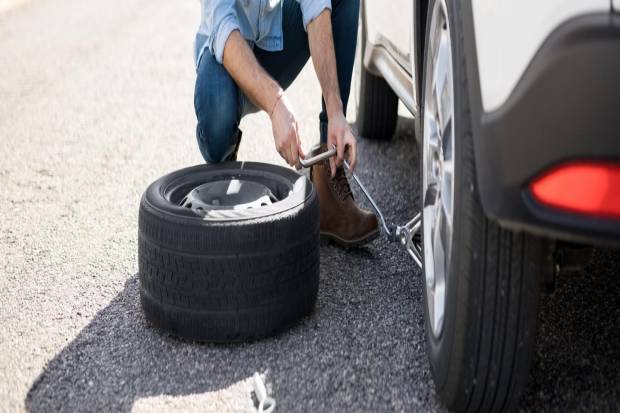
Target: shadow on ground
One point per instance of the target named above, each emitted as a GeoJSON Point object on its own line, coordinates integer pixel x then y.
{"type": "Point", "coordinates": [361, 350]}
{"type": "Point", "coordinates": [118, 358]}
{"type": "Point", "coordinates": [576, 366]}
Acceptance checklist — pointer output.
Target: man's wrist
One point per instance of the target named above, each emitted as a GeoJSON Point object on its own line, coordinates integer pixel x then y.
{"type": "Point", "coordinates": [275, 93]}
{"type": "Point", "coordinates": [333, 107]}
{"type": "Point", "coordinates": [278, 98]}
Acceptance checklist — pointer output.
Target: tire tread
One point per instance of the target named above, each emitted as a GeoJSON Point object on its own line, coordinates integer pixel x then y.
{"type": "Point", "coordinates": [499, 274]}
{"type": "Point", "coordinates": [228, 281]}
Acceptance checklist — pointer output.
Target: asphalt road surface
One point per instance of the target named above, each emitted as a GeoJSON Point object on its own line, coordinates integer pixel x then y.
{"type": "Point", "coordinates": [96, 103]}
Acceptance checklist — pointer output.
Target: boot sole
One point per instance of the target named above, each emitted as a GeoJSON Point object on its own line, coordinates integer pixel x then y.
{"type": "Point", "coordinates": [328, 237]}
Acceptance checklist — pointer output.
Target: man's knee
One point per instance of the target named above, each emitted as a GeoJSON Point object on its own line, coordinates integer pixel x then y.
{"type": "Point", "coordinates": [216, 137]}
{"type": "Point", "coordinates": [215, 102]}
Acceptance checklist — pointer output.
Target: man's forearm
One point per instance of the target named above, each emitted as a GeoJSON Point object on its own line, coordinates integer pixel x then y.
{"type": "Point", "coordinates": [266, 93]}
{"type": "Point", "coordinates": [240, 62]}
{"type": "Point", "coordinates": [321, 43]}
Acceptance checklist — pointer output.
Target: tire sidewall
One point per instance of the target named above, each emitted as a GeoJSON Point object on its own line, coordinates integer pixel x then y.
{"type": "Point", "coordinates": [157, 194]}
{"type": "Point", "coordinates": [244, 230]}
{"type": "Point", "coordinates": [447, 351]}
{"type": "Point", "coordinates": [227, 280]}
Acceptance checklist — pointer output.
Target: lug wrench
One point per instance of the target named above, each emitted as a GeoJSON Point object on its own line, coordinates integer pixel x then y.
{"type": "Point", "coordinates": [407, 235]}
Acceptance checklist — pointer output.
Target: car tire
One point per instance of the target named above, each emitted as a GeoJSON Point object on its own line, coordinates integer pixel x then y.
{"type": "Point", "coordinates": [480, 341]}
{"type": "Point", "coordinates": [377, 104]}
{"type": "Point", "coordinates": [228, 275]}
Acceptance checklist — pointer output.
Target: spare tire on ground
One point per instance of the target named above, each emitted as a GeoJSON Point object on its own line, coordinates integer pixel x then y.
{"type": "Point", "coordinates": [228, 252]}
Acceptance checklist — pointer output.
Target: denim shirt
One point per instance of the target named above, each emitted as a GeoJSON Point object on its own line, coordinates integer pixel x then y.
{"type": "Point", "coordinates": [258, 21]}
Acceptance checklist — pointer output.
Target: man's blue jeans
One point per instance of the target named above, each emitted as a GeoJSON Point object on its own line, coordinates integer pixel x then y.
{"type": "Point", "coordinates": [220, 104]}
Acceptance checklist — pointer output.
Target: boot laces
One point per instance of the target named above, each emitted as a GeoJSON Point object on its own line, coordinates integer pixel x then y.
{"type": "Point", "coordinates": [341, 185]}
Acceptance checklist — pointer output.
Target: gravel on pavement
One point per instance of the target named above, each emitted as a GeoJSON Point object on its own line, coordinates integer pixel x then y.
{"type": "Point", "coordinates": [96, 102]}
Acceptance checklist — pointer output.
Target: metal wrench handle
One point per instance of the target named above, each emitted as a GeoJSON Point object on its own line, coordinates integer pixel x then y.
{"type": "Point", "coordinates": [306, 163]}
{"type": "Point", "coordinates": [370, 199]}
{"type": "Point", "coordinates": [403, 234]}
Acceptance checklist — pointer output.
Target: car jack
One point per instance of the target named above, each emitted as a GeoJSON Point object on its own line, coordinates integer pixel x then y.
{"type": "Point", "coordinates": [408, 235]}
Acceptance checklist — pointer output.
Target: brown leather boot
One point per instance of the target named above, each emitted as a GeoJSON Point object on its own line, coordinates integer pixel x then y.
{"type": "Point", "coordinates": [341, 219]}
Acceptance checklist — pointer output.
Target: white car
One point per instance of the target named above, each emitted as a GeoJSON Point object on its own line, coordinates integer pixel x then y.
{"type": "Point", "coordinates": [517, 114]}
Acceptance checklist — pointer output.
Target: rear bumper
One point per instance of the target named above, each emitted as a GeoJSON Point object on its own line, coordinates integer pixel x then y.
{"type": "Point", "coordinates": [565, 107]}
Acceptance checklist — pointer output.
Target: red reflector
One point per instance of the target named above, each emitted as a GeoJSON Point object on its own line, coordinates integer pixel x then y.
{"type": "Point", "coordinates": [583, 187]}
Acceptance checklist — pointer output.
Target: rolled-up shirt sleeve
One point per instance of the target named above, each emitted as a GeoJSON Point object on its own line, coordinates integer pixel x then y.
{"type": "Point", "coordinates": [310, 9]}
{"type": "Point", "coordinates": [220, 21]}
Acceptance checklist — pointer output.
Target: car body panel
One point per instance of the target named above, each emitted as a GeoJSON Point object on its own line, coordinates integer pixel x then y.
{"type": "Point", "coordinates": [508, 35]}
{"type": "Point", "coordinates": [389, 25]}
{"type": "Point", "coordinates": [556, 102]}
{"type": "Point", "coordinates": [563, 108]}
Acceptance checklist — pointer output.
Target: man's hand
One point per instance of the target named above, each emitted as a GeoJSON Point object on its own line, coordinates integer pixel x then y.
{"type": "Point", "coordinates": [286, 132]}
{"type": "Point", "coordinates": [321, 42]}
{"type": "Point", "coordinates": [339, 134]}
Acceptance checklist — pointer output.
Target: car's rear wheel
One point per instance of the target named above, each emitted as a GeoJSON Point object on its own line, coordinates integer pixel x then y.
{"type": "Point", "coordinates": [377, 104]}
{"type": "Point", "coordinates": [482, 282]}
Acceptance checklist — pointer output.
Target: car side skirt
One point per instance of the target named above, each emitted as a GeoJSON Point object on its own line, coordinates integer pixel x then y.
{"type": "Point", "coordinates": [379, 61]}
